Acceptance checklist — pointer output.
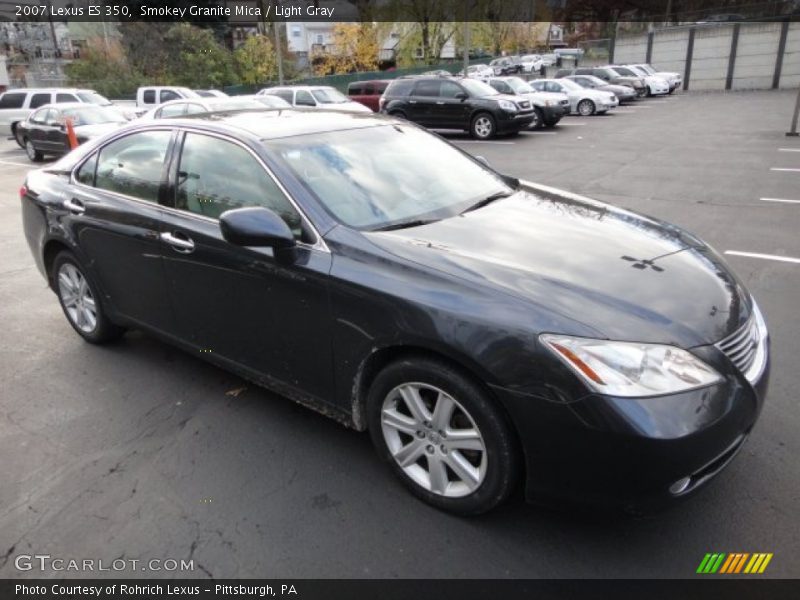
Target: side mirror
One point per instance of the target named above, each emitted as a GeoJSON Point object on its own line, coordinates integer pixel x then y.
{"type": "Point", "coordinates": [461, 96]}
{"type": "Point", "coordinates": [54, 123]}
{"type": "Point", "coordinates": [255, 226]}
{"type": "Point", "coordinates": [482, 159]}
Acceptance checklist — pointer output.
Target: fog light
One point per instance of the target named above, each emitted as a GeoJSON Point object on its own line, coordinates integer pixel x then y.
{"type": "Point", "coordinates": [680, 485]}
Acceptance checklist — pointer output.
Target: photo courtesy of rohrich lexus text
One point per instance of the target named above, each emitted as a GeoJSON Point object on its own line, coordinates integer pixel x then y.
{"type": "Point", "coordinates": [333, 299]}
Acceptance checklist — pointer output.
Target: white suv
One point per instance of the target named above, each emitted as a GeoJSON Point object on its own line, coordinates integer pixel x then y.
{"type": "Point", "coordinates": [17, 104]}
{"type": "Point", "coordinates": [315, 96]}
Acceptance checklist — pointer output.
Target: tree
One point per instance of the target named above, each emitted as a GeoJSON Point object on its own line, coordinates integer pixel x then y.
{"type": "Point", "coordinates": [434, 26]}
{"type": "Point", "coordinates": [355, 48]}
{"type": "Point", "coordinates": [256, 60]}
{"type": "Point", "coordinates": [103, 67]}
{"type": "Point", "coordinates": [145, 50]}
{"type": "Point", "coordinates": [195, 58]}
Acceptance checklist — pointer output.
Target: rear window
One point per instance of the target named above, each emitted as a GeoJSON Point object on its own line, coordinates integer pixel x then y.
{"type": "Point", "coordinates": [583, 71]}
{"type": "Point", "coordinates": [12, 100]}
{"type": "Point", "coordinates": [66, 98]}
{"type": "Point", "coordinates": [355, 89]}
{"type": "Point", "coordinates": [427, 88]}
{"type": "Point", "coordinates": [149, 97]}
{"type": "Point", "coordinates": [400, 87]}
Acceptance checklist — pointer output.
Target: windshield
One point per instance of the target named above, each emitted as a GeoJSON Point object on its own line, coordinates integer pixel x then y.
{"type": "Point", "coordinates": [648, 68]}
{"type": "Point", "coordinates": [93, 115]}
{"type": "Point", "coordinates": [531, 57]}
{"type": "Point", "coordinates": [594, 80]}
{"type": "Point", "coordinates": [625, 72]}
{"type": "Point", "coordinates": [94, 98]}
{"type": "Point", "coordinates": [272, 101]}
{"type": "Point", "coordinates": [406, 175]}
{"type": "Point", "coordinates": [519, 86]}
{"type": "Point", "coordinates": [570, 85]}
{"type": "Point", "coordinates": [328, 95]}
{"type": "Point", "coordinates": [478, 88]}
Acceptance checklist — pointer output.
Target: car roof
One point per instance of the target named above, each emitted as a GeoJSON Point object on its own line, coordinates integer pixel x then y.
{"type": "Point", "coordinates": [62, 105]}
{"type": "Point", "coordinates": [275, 123]}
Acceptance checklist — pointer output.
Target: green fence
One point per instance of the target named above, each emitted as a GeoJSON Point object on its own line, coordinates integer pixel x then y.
{"type": "Point", "coordinates": [341, 81]}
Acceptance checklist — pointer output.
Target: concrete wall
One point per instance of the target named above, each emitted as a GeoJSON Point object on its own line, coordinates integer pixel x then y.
{"type": "Point", "coordinates": [754, 65]}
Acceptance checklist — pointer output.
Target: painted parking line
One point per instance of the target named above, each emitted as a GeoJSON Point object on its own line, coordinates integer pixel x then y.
{"type": "Point", "coordinates": [774, 257]}
{"type": "Point", "coordinates": [571, 124]}
{"type": "Point", "coordinates": [788, 149]}
{"type": "Point", "coordinates": [481, 142]}
{"type": "Point", "coordinates": [784, 200]}
{"type": "Point", "coordinates": [16, 164]}
{"type": "Point", "coordinates": [541, 132]}
{"type": "Point", "coordinates": [782, 169]}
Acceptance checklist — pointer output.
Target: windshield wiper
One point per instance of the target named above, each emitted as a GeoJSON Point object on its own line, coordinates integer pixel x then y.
{"type": "Point", "coordinates": [487, 200]}
{"type": "Point", "coordinates": [405, 224]}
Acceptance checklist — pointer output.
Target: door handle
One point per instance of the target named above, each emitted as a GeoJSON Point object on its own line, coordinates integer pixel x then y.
{"type": "Point", "coordinates": [412, 101]}
{"type": "Point", "coordinates": [74, 206]}
{"type": "Point", "coordinates": [440, 102]}
{"type": "Point", "coordinates": [181, 244]}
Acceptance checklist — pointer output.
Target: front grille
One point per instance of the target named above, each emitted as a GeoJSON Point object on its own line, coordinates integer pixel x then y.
{"type": "Point", "coordinates": [524, 104]}
{"type": "Point", "coordinates": [741, 346]}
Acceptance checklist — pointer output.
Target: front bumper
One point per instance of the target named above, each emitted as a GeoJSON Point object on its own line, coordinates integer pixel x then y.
{"type": "Point", "coordinates": [509, 122]}
{"type": "Point", "coordinates": [636, 453]}
{"type": "Point", "coordinates": [553, 114]}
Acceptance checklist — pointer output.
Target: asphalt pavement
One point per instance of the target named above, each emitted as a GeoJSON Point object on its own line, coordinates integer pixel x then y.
{"type": "Point", "coordinates": [139, 451]}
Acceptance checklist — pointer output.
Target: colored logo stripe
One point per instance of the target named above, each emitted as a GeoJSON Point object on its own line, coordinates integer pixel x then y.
{"type": "Point", "coordinates": [734, 563]}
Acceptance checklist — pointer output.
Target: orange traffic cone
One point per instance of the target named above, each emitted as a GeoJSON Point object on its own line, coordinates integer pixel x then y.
{"type": "Point", "coordinates": [73, 140]}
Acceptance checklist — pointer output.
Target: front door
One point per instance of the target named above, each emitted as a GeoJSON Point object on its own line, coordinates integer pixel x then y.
{"type": "Point", "coordinates": [244, 305]}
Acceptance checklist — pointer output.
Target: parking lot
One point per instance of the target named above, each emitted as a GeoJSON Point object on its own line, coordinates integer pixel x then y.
{"type": "Point", "coordinates": [141, 451]}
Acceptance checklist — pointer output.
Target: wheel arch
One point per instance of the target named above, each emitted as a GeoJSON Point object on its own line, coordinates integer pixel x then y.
{"type": "Point", "coordinates": [381, 357]}
{"type": "Point", "coordinates": [51, 249]}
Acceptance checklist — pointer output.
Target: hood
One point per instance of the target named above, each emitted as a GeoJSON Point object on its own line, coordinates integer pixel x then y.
{"type": "Point", "coordinates": [603, 95]}
{"type": "Point", "coordinates": [544, 96]}
{"type": "Point", "coordinates": [618, 89]}
{"type": "Point", "coordinates": [93, 131]}
{"type": "Point", "coordinates": [656, 80]}
{"type": "Point", "coordinates": [605, 272]}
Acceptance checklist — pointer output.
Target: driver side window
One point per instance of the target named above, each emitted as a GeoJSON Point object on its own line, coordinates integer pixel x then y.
{"type": "Point", "coordinates": [215, 175]}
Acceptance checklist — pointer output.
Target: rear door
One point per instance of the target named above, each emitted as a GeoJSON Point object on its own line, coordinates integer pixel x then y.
{"type": "Point", "coordinates": [453, 112]}
{"type": "Point", "coordinates": [115, 217]}
{"type": "Point", "coordinates": [244, 305]}
{"type": "Point", "coordinates": [422, 102]}
{"type": "Point", "coordinates": [37, 129]}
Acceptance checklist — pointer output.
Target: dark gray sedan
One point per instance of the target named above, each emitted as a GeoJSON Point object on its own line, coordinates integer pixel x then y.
{"type": "Point", "coordinates": [622, 92]}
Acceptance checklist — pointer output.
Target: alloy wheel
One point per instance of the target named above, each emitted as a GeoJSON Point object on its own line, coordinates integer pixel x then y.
{"type": "Point", "coordinates": [79, 303]}
{"type": "Point", "coordinates": [585, 108]}
{"type": "Point", "coordinates": [483, 127]}
{"type": "Point", "coordinates": [433, 439]}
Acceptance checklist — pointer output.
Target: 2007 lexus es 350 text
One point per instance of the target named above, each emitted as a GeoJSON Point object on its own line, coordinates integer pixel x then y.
{"type": "Point", "coordinates": [486, 331]}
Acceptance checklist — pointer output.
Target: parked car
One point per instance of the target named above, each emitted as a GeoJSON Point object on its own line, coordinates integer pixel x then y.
{"type": "Point", "coordinates": [465, 104]}
{"type": "Point", "coordinates": [211, 94]}
{"type": "Point", "coordinates": [367, 92]}
{"type": "Point", "coordinates": [656, 86]}
{"type": "Point", "coordinates": [622, 92]}
{"type": "Point", "coordinates": [17, 104]}
{"type": "Point", "coordinates": [476, 71]}
{"type": "Point", "coordinates": [315, 96]}
{"type": "Point", "coordinates": [582, 101]}
{"type": "Point", "coordinates": [505, 65]}
{"type": "Point", "coordinates": [193, 106]}
{"type": "Point", "coordinates": [484, 330]}
{"type": "Point", "coordinates": [152, 95]}
{"type": "Point", "coordinates": [548, 107]}
{"type": "Point", "coordinates": [45, 130]}
{"type": "Point", "coordinates": [531, 63]}
{"type": "Point", "coordinates": [608, 75]}
{"type": "Point", "coordinates": [439, 72]}
{"type": "Point", "coordinates": [268, 101]}
{"type": "Point", "coordinates": [548, 60]}
{"type": "Point", "coordinates": [674, 79]}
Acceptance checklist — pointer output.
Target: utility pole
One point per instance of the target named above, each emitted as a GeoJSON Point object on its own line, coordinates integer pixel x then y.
{"type": "Point", "coordinates": [466, 37]}
{"type": "Point", "coordinates": [793, 131]}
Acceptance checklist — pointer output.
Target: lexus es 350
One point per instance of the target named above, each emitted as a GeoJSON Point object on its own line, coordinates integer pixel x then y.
{"type": "Point", "coordinates": [486, 331]}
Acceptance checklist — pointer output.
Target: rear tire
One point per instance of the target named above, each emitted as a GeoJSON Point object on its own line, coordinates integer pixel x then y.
{"type": "Point", "coordinates": [33, 154]}
{"type": "Point", "coordinates": [80, 300]}
{"type": "Point", "coordinates": [398, 114]}
{"type": "Point", "coordinates": [442, 435]}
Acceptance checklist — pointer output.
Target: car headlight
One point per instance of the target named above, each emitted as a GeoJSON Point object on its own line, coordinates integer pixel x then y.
{"type": "Point", "coordinates": [631, 369]}
{"type": "Point", "coordinates": [507, 105]}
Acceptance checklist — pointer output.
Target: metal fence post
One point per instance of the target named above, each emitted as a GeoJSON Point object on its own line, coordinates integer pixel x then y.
{"type": "Point", "coordinates": [793, 130]}
{"type": "Point", "coordinates": [776, 78]}
{"type": "Point", "coordinates": [689, 56]}
{"type": "Point", "coordinates": [732, 56]}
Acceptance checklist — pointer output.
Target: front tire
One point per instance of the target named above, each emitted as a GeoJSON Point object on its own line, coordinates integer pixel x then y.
{"type": "Point", "coordinates": [80, 301]}
{"type": "Point", "coordinates": [442, 435]}
{"type": "Point", "coordinates": [33, 154]}
{"type": "Point", "coordinates": [586, 108]}
{"type": "Point", "coordinates": [483, 126]}
{"type": "Point", "coordinates": [18, 136]}
{"type": "Point", "coordinates": [538, 119]}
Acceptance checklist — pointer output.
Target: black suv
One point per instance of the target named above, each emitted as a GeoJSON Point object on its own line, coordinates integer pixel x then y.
{"type": "Point", "coordinates": [468, 104]}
